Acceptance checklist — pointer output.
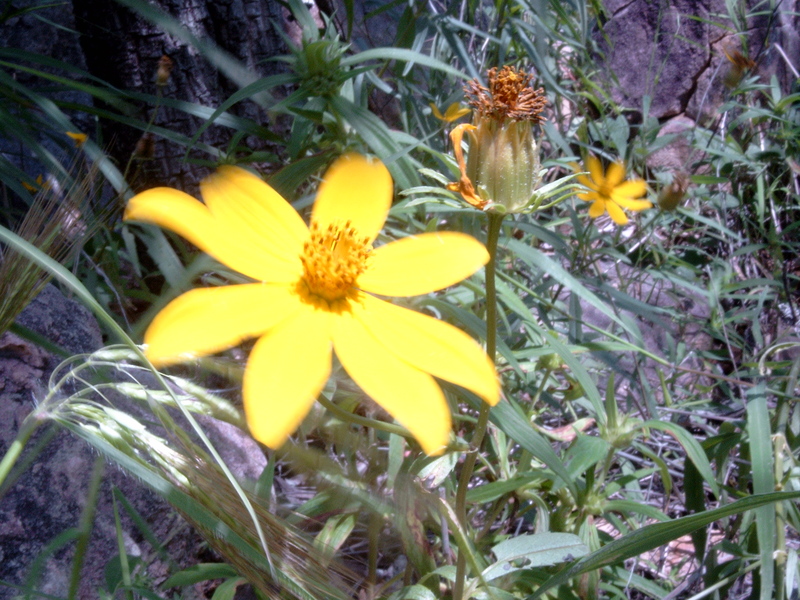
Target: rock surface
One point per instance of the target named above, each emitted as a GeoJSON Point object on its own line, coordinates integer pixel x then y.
{"type": "Point", "coordinates": [674, 51]}
{"type": "Point", "coordinates": [49, 496]}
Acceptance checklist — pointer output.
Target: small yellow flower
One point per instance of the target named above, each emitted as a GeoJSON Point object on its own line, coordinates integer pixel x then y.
{"type": "Point", "coordinates": [41, 184]}
{"type": "Point", "coordinates": [454, 112]}
{"type": "Point", "coordinates": [610, 192]}
{"type": "Point", "coordinates": [78, 138]}
{"type": "Point", "coordinates": [315, 295]}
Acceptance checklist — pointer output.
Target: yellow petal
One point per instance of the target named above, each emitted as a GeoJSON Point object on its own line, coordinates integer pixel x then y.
{"type": "Point", "coordinates": [408, 394]}
{"type": "Point", "coordinates": [597, 208]}
{"type": "Point", "coordinates": [261, 220]}
{"type": "Point", "coordinates": [455, 111]}
{"type": "Point", "coordinates": [590, 197]}
{"type": "Point", "coordinates": [436, 112]}
{"type": "Point", "coordinates": [631, 204]}
{"type": "Point", "coordinates": [79, 139]}
{"type": "Point", "coordinates": [630, 189]}
{"type": "Point", "coordinates": [431, 345]}
{"type": "Point", "coordinates": [285, 373]}
{"type": "Point", "coordinates": [189, 218]}
{"type": "Point", "coordinates": [422, 264]}
{"type": "Point", "coordinates": [595, 169]}
{"type": "Point", "coordinates": [456, 136]}
{"type": "Point", "coordinates": [615, 174]}
{"type": "Point", "coordinates": [206, 320]}
{"type": "Point", "coordinates": [615, 212]}
{"type": "Point", "coordinates": [356, 189]}
{"type": "Point", "coordinates": [584, 180]}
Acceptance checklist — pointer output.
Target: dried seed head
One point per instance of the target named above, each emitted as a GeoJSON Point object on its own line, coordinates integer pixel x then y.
{"type": "Point", "coordinates": [509, 96]}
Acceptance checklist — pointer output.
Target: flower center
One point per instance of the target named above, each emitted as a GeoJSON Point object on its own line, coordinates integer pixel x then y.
{"type": "Point", "coordinates": [604, 190]}
{"type": "Point", "coordinates": [333, 259]}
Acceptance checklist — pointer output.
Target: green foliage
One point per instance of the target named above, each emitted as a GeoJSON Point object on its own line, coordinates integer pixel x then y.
{"type": "Point", "coordinates": [649, 373]}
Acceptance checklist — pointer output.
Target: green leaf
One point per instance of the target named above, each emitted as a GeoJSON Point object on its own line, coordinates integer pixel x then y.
{"type": "Point", "coordinates": [334, 533]}
{"type": "Point", "coordinates": [436, 471]}
{"type": "Point", "coordinates": [200, 572]}
{"type": "Point", "coordinates": [377, 136]}
{"type": "Point", "coordinates": [496, 489]}
{"type": "Point", "coordinates": [693, 449]}
{"type": "Point", "coordinates": [534, 550]}
{"type": "Point", "coordinates": [508, 417]}
{"type": "Point", "coordinates": [402, 54]}
{"type": "Point", "coordinates": [760, 441]}
{"type": "Point", "coordinates": [652, 536]}
{"type": "Point", "coordinates": [417, 592]}
{"type": "Point", "coordinates": [227, 589]}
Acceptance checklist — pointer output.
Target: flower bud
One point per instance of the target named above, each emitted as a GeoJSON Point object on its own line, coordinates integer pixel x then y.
{"type": "Point", "coordinates": [164, 70]}
{"type": "Point", "coordinates": [502, 170]}
{"type": "Point", "coordinates": [503, 163]}
{"type": "Point", "coordinates": [672, 194]}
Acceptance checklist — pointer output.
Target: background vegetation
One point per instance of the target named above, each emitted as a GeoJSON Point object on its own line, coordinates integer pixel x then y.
{"type": "Point", "coordinates": [650, 372]}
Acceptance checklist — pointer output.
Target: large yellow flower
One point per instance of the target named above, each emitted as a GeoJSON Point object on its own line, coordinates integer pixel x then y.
{"type": "Point", "coordinates": [610, 192]}
{"type": "Point", "coordinates": [313, 296]}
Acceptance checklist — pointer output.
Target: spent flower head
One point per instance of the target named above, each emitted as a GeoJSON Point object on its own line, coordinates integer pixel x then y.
{"type": "Point", "coordinates": [315, 294]}
{"type": "Point", "coordinates": [502, 169]}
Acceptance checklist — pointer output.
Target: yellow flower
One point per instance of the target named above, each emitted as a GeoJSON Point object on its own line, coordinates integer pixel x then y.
{"type": "Point", "coordinates": [610, 192]}
{"type": "Point", "coordinates": [314, 296]}
{"type": "Point", "coordinates": [41, 184]}
{"type": "Point", "coordinates": [454, 112]}
{"type": "Point", "coordinates": [78, 138]}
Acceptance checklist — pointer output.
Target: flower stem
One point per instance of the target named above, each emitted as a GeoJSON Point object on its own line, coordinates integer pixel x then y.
{"type": "Point", "coordinates": [493, 235]}
{"type": "Point", "coordinates": [23, 435]}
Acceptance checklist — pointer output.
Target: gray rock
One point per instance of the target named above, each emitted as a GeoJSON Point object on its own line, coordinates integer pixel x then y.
{"type": "Point", "coordinates": [674, 51]}
{"type": "Point", "coordinates": [49, 496]}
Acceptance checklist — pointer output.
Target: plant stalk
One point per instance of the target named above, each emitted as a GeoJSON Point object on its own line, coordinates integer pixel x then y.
{"type": "Point", "coordinates": [493, 235]}
{"type": "Point", "coordinates": [29, 425]}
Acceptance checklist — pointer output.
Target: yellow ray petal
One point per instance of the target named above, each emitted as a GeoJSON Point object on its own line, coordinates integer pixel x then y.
{"type": "Point", "coordinates": [584, 180]}
{"type": "Point", "coordinates": [615, 212]}
{"type": "Point", "coordinates": [207, 320]}
{"type": "Point", "coordinates": [422, 264]}
{"type": "Point", "coordinates": [455, 111]}
{"type": "Point", "coordinates": [597, 208]}
{"type": "Point", "coordinates": [408, 394]}
{"type": "Point", "coordinates": [632, 204]}
{"type": "Point", "coordinates": [261, 219]}
{"type": "Point", "coordinates": [589, 196]}
{"type": "Point", "coordinates": [186, 216]}
{"type": "Point", "coordinates": [78, 138]}
{"type": "Point", "coordinates": [630, 189]}
{"type": "Point", "coordinates": [595, 169]}
{"type": "Point", "coordinates": [431, 345]}
{"type": "Point", "coordinates": [464, 185]}
{"type": "Point", "coordinates": [436, 112]}
{"type": "Point", "coordinates": [285, 373]}
{"type": "Point", "coordinates": [356, 189]}
{"type": "Point", "coordinates": [615, 174]}
{"type": "Point", "coordinates": [191, 219]}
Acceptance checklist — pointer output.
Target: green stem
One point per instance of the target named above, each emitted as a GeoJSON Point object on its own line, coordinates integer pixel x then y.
{"type": "Point", "coordinates": [349, 417]}
{"type": "Point", "coordinates": [31, 422]}
{"type": "Point", "coordinates": [493, 235]}
{"type": "Point", "coordinates": [780, 511]}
